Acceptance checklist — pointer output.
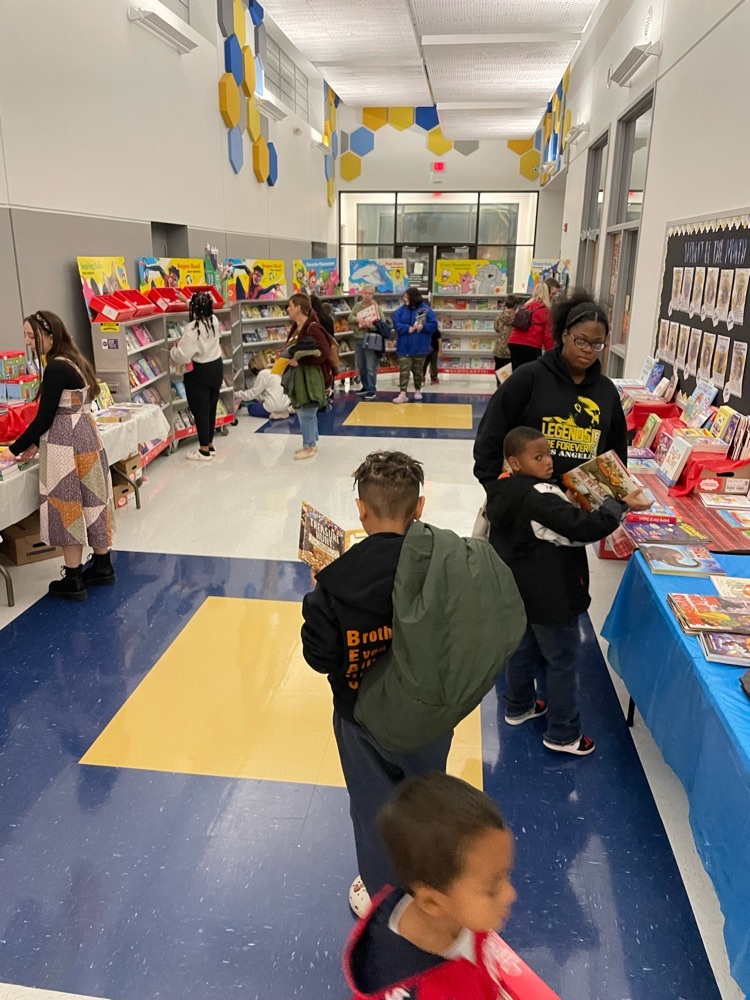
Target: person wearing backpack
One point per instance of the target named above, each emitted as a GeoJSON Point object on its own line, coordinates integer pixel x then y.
{"type": "Point", "coordinates": [404, 665]}
{"type": "Point", "coordinates": [532, 328]}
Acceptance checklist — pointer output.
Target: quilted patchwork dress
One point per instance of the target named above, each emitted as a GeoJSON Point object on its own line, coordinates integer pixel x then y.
{"type": "Point", "coordinates": [75, 488]}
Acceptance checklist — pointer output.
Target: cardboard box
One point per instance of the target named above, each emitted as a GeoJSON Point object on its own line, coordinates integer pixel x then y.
{"type": "Point", "coordinates": [732, 483]}
{"type": "Point", "coordinates": [22, 544]}
{"type": "Point", "coordinates": [131, 468]}
{"type": "Point", "coordinates": [124, 493]}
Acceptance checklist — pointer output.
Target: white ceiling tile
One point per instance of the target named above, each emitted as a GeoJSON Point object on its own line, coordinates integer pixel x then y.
{"type": "Point", "coordinates": [490, 123]}
{"type": "Point", "coordinates": [471, 17]}
{"type": "Point", "coordinates": [362, 85]}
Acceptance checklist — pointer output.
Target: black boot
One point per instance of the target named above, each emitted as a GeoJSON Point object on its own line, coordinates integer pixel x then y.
{"type": "Point", "coordinates": [71, 587]}
{"type": "Point", "coordinates": [99, 571]}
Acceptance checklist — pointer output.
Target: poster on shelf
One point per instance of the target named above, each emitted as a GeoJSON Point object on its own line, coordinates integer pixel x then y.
{"type": "Point", "coordinates": [546, 267]}
{"type": "Point", "coordinates": [318, 276]}
{"type": "Point", "coordinates": [471, 277]}
{"type": "Point", "coordinates": [385, 274]}
{"type": "Point", "coordinates": [250, 280]}
{"type": "Point", "coordinates": [170, 272]}
{"type": "Point", "coordinates": [100, 276]}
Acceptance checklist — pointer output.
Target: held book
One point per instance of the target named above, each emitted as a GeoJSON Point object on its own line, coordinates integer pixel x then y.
{"type": "Point", "coordinates": [706, 613]}
{"type": "Point", "coordinates": [680, 560]}
{"type": "Point", "coordinates": [599, 479]}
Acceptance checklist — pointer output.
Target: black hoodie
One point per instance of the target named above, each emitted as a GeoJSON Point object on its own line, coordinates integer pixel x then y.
{"type": "Point", "coordinates": [542, 536]}
{"type": "Point", "coordinates": [580, 420]}
{"type": "Point", "coordinates": [349, 615]}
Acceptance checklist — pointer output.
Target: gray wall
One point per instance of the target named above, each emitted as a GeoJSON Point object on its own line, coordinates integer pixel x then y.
{"type": "Point", "coordinates": [11, 335]}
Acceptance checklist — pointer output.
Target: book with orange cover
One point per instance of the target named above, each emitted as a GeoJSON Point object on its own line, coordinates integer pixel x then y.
{"type": "Point", "coordinates": [706, 613]}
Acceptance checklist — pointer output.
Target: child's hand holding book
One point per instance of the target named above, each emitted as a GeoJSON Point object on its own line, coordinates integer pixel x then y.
{"type": "Point", "coordinates": [637, 501]}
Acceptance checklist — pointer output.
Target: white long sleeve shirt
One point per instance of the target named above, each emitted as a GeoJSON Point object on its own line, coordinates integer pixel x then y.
{"type": "Point", "coordinates": [198, 344]}
{"type": "Point", "coordinates": [267, 390]}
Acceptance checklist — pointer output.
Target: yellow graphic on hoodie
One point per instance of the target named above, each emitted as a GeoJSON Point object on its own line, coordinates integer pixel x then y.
{"type": "Point", "coordinates": [577, 435]}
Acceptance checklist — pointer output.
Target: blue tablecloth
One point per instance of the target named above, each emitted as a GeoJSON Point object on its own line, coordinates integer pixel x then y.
{"type": "Point", "coordinates": [700, 720]}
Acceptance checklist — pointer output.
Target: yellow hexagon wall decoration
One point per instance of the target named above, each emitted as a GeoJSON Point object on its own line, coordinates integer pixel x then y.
{"type": "Point", "coordinates": [261, 160]}
{"type": "Point", "coordinates": [566, 80]}
{"type": "Point", "coordinates": [437, 143]}
{"type": "Point", "coordinates": [229, 100]}
{"type": "Point", "coordinates": [332, 116]}
{"type": "Point", "coordinates": [401, 118]}
{"type": "Point", "coordinates": [331, 192]}
{"type": "Point", "coordinates": [520, 146]}
{"type": "Point", "coordinates": [529, 161]}
{"type": "Point", "coordinates": [374, 118]}
{"type": "Point", "coordinates": [351, 166]}
{"type": "Point", "coordinates": [567, 122]}
{"type": "Point", "coordinates": [253, 120]}
{"type": "Point", "coordinates": [248, 75]}
{"type": "Point", "coordinates": [240, 24]}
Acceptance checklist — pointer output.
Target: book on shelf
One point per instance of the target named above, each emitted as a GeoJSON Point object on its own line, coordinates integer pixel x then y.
{"type": "Point", "coordinates": [736, 518]}
{"type": "Point", "coordinates": [675, 460]}
{"type": "Point", "coordinates": [680, 560]}
{"type": "Point", "coordinates": [700, 399]}
{"type": "Point", "coordinates": [728, 648]}
{"type": "Point", "coordinates": [723, 501]}
{"type": "Point", "coordinates": [709, 613]}
{"type": "Point", "coordinates": [702, 440]}
{"type": "Point", "coordinates": [725, 423]}
{"type": "Point", "coordinates": [321, 540]}
{"type": "Point", "coordinates": [732, 586]}
{"type": "Point", "coordinates": [634, 452]}
{"type": "Point", "coordinates": [679, 533]}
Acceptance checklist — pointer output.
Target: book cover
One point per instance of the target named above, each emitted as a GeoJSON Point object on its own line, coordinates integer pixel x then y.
{"type": "Point", "coordinates": [726, 647]}
{"type": "Point", "coordinates": [736, 518]}
{"type": "Point", "coordinates": [639, 466]}
{"type": "Point", "coordinates": [597, 480]}
{"type": "Point", "coordinates": [680, 560]}
{"type": "Point", "coordinates": [657, 513]}
{"type": "Point", "coordinates": [638, 453]}
{"type": "Point", "coordinates": [647, 433]}
{"type": "Point", "coordinates": [732, 586]}
{"type": "Point", "coordinates": [706, 613]}
{"type": "Point", "coordinates": [675, 460]}
{"type": "Point", "coordinates": [320, 539]}
{"type": "Point", "coordinates": [680, 533]}
{"type": "Point", "coordinates": [722, 501]}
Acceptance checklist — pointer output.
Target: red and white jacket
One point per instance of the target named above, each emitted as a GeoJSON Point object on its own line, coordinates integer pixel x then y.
{"type": "Point", "coordinates": [381, 965]}
{"type": "Point", "coordinates": [539, 334]}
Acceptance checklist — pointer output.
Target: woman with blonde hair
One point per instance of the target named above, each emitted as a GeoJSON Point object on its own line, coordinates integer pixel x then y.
{"type": "Point", "coordinates": [532, 328]}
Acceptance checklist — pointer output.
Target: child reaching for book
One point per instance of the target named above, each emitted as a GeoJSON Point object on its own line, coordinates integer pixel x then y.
{"type": "Point", "coordinates": [265, 397]}
{"type": "Point", "coordinates": [433, 938]}
{"type": "Point", "coordinates": [542, 536]}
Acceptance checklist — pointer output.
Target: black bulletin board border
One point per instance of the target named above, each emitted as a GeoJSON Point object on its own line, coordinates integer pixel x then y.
{"type": "Point", "coordinates": [699, 257]}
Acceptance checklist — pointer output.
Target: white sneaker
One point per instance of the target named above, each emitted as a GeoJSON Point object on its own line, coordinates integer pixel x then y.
{"type": "Point", "coordinates": [418, 397]}
{"type": "Point", "coordinates": [198, 456]}
{"type": "Point", "coordinates": [359, 898]}
{"type": "Point", "coordinates": [279, 415]}
{"type": "Point", "coordinates": [401, 398]}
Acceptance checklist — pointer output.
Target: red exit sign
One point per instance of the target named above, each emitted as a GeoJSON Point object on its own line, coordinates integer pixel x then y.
{"type": "Point", "coordinates": [438, 167]}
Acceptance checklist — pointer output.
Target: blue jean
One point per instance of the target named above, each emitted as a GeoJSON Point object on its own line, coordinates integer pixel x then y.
{"type": "Point", "coordinates": [550, 648]}
{"type": "Point", "coordinates": [367, 365]}
{"type": "Point", "coordinates": [372, 775]}
{"type": "Point", "coordinates": [308, 422]}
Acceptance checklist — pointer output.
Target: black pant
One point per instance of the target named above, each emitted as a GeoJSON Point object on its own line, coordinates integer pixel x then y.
{"type": "Point", "coordinates": [520, 354]}
{"type": "Point", "coordinates": [202, 387]}
{"type": "Point", "coordinates": [372, 775]}
{"type": "Point", "coordinates": [431, 362]}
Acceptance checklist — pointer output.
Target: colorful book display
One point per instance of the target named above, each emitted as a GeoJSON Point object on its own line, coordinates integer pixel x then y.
{"type": "Point", "coordinates": [680, 560]}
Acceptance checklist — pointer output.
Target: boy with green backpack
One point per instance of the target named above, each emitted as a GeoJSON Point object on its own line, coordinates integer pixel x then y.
{"type": "Point", "coordinates": [412, 626]}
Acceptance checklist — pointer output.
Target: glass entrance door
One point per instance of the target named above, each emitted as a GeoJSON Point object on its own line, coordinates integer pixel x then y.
{"type": "Point", "coordinates": [419, 265]}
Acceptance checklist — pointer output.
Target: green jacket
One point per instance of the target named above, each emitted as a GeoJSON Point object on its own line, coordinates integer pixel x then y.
{"type": "Point", "coordinates": [457, 618]}
{"type": "Point", "coordinates": [359, 334]}
{"type": "Point", "coordinates": [308, 387]}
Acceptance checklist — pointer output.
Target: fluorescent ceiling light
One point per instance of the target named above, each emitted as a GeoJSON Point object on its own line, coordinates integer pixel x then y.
{"type": "Point", "coordinates": [577, 131]}
{"type": "Point", "coordinates": [632, 63]}
{"type": "Point", "coordinates": [163, 29]}
{"type": "Point", "coordinates": [270, 107]}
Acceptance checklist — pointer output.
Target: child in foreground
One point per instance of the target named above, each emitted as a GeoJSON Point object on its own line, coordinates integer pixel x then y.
{"type": "Point", "coordinates": [434, 938]}
{"type": "Point", "coordinates": [541, 536]}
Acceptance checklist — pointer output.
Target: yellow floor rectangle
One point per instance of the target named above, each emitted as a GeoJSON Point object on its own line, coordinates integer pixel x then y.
{"type": "Point", "coordinates": [441, 416]}
{"type": "Point", "coordinates": [233, 697]}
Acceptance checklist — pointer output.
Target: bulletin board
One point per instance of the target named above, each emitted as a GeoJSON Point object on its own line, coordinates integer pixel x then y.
{"type": "Point", "coordinates": [703, 319]}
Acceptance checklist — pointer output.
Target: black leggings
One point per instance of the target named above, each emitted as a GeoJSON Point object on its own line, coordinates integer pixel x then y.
{"type": "Point", "coordinates": [521, 354]}
{"type": "Point", "coordinates": [202, 387]}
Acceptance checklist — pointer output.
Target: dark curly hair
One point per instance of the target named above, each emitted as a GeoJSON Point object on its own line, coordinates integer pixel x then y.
{"type": "Point", "coordinates": [201, 310]}
{"type": "Point", "coordinates": [389, 483]}
{"type": "Point", "coordinates": [577, 307]}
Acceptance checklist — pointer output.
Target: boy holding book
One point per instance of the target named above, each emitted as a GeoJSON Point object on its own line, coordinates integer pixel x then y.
{"type": "Point", "coordinates": [542, 536]}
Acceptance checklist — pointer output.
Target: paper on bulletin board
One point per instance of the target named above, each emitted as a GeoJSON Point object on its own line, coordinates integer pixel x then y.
{"type": "Point", "coordinates": [100, 276]}
{"type": "Point", "coordinates": [384, 274]}
{"type": "Point", "coordinates": [471, 277]}
{"type": "Point", "coordinates": [546, 267]}
{"type": "Point", "coordinates": [256, 279]}
{"type": "Point", "coordinates": [318, 276]}
{"type": "Point", "coordinates": [170, 272]}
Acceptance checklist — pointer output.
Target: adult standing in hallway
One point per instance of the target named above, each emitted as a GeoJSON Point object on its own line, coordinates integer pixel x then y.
{"type": "Point", "coordinates": [308, 345]}
{"type": "Point", "coordinates": [74, 482]}
{"type": "Point", "coordinates": [414, 323]}
{"type": "Point", "coordinates": [200, 346]}
{"type": "Point", "coordinates": [563, 394]}
{"type": "Point", "coordinates": [365, 358]}
{"type": "Point", "coordinates": [532, 329]}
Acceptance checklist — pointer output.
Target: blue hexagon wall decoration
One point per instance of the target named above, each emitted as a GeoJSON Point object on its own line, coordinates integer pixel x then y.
{"type": "Point", "coordinates": [335, 144]}
{"type": "Point", "coordinates": [426, 118]}
{"type": "Point", "coordinates": [328, 166]}
{"type": "Point", "coordinates": [273, 165]}
{"type": "Point", "coordinates": [233, 59]}
{"type": "Point", "coordinates": [256, 12]}
{"type": "Point", "coordinates": [236, 153]}
{"type": "Point", "coordinates": [362, 141]}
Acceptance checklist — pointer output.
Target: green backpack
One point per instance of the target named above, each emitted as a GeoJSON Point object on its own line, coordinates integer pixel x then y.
{"type": "Point", "coordinates": [457, 618]}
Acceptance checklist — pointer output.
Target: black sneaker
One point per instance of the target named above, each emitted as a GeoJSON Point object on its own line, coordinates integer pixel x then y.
{"type": "Point", "coordinates": [360, 392]}
{"type": "Point", "coordinates": [581, 747]}
{"type": "Point", "coordinates": [71, 587]}
{"type": "Point", "coordinates": [539, 709]}
{"type": "Point", "coordinates": [99, 572]}
{"type": "Point", "coordinates": [369, 396]}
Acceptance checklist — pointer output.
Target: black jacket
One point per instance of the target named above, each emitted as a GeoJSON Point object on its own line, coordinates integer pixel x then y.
{"type": "Point", "coordinates": [542, 536]}
{"type": "Point", "coordinates": [348, 618]}
{"type": "Point", "coordinates": [580, 421]}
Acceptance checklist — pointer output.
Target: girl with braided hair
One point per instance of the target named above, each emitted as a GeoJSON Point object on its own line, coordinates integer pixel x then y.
{"type": "Point", "coordinates": [200, 345]}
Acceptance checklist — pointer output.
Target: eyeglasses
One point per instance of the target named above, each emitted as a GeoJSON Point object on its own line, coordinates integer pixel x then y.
{"type": "Point", "coordinates": [582, 344]}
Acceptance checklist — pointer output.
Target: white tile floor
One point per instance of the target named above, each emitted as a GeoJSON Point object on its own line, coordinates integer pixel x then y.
{"type": "Point", "coordinates": [246, 504]}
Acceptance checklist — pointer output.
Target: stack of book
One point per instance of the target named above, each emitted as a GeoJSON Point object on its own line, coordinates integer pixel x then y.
{"type": "Point", "coordinates": [698, 613]}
